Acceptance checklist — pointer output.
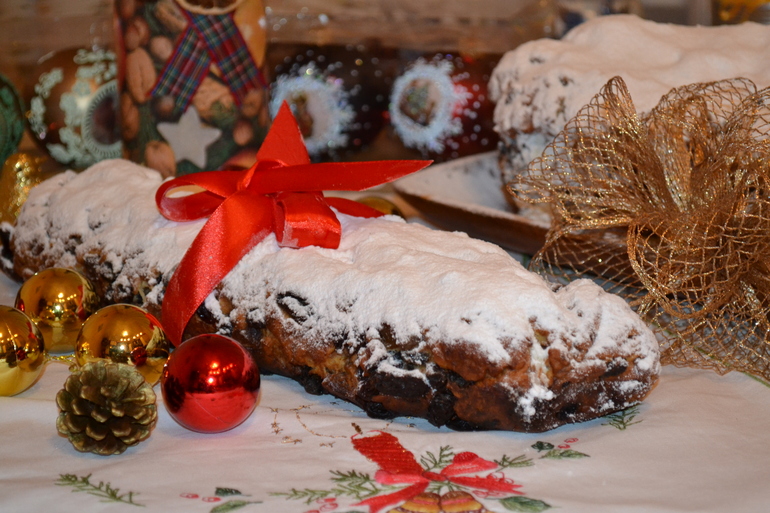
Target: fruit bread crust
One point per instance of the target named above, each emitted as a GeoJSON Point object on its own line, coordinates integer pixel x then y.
{"type": "Point", "coordinates": [400, 320]}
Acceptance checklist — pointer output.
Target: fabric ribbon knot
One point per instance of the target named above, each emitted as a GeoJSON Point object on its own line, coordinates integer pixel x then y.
{"type": "Point", "coordinates": [281, 193]}
{"type": "Point", "coordinates": [399, 466]}
{"type": "Point", "coordinates": [207, 38]}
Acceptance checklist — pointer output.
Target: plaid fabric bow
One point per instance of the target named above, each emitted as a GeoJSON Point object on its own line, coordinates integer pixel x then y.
{"type": "Point", "coordinates": [209, 38]}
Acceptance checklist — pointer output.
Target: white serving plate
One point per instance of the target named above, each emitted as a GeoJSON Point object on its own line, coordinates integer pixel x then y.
{"type": "Point", "coordinates": [467, 195]}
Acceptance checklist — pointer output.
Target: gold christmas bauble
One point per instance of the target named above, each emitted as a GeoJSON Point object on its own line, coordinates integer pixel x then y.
{"type": "Point", "coordinates": [21, 171]}
{"type": "Point", "coordinates": [58, 300]}
{"type": "Point", "coordinates": [22, 351]}
{"type": "Point", "coordinates": [127, 334]}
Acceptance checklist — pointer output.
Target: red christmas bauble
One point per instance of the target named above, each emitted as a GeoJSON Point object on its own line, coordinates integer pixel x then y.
{"type": "Point", "coordinates": [440, 106]}
{"type": "Point", "coordinates": [210, 384]}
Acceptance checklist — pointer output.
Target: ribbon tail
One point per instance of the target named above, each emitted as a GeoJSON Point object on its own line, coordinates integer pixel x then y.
{"type": "Point", "coordinates": [333, 176]}
{"type": "Point", "coordinates": [233, 229]}
{"type": "Point", "coordinates": [352, 208]}
{"type": "Point", "coordinates": [387, 452]}
{"type": "Point", "coordinates": [382, 501]}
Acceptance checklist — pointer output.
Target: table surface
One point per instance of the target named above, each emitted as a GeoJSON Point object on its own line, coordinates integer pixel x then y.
{"type": "Point", "coordinates": [699, 442]}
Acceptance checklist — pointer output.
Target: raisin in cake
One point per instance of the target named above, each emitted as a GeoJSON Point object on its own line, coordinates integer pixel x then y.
{"type": "Point", "coordinates": [400, 319]}
{"type": "Point", "coordinates": [542, 84]}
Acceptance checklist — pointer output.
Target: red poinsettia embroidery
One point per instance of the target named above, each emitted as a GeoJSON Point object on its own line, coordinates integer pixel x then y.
{"type": "Point", "coordinates": [397, 466]}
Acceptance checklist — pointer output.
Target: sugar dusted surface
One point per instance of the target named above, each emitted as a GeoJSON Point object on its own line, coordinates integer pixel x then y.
{"type": "Point", "coordinates": [542, 84]}
{"type": "Point", "coordinates": [423, 283]}
{"type": "Point", "coordinates": [426, 282]}
{"type": "Point", "coordinates": [110, 209]}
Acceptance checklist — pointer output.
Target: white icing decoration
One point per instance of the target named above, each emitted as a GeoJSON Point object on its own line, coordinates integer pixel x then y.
{"type": "Point", "coordinates": [327, 104]}
{"type": "Point", "coordinates": [46, 82]}
{"type": "Point", "coordinates": [446, 98]}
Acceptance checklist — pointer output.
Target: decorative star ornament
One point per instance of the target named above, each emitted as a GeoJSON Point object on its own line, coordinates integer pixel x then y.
{"type": "Point", "coordinates": [189, 138]}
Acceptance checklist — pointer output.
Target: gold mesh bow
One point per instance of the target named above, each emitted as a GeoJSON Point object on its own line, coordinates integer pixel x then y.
{"type": "Point", "coordinates": [671, 210]}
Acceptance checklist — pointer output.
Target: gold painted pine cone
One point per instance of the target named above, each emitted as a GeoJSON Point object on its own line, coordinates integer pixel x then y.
{"type": "Point", "coordinates": [106, 407]}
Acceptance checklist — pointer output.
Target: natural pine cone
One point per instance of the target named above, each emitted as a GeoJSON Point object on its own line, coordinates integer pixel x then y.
{"type": "Point", "coordinates": [106, 407]}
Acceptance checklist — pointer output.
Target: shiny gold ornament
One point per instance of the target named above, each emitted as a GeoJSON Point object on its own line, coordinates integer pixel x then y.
{"type": "Point", "coordinates": [22, 351]}
{"type": "Point", "coordinates": [58, 300]}
{"type": "Point", "coordinates": [126, 334]}
{"type": "Point", "coordinates": [105, 408]}
{"type": "Point", "coordinates": [381, 204]}
{"type": "Point", "coordinates": [670, 209]}
{"type": "Point", "coordinates": [21, 171]}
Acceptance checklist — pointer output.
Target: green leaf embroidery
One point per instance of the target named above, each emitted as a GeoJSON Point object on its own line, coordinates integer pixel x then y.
{"type": "Point", "coordinates": [542, 446]}
{"type": "Point", "coordinates": [352, 484]}
{"type": "Point", "coordinates": [306, 495]}
{"type": "Point", "coordinates": [227, 492]}
{"type": "Point", "coordinates": [357, 484]}
{"type": "Point", "coordinates": [432, 462]}
{"type": "Point", "coordinates": [525, 504]}
{"type": "Point", "coordinates": [622, 419]}
{"type": "Point", "coordinates": [105, 491]}
{"type": "Point", "coordinates": [560, 454]}
{"type": "Point", "coordinates": [232, 506]}
{"type": "Point", "coordinates": [517, 462]}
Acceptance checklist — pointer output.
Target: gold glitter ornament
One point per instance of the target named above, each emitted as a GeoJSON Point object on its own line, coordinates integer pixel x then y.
{"type": "Point", "coordinates": [21, 171]}
{"type": "Point", "coordinates": [58, 300]}
{"type": "Point", "coordinates": [22, 351]}
{"type": "Point", "coordinates": [126, 334]}
{"type": "Point", "coordinates": [671, 210]}
{"type": "Point", "coordinates": [106, 407]}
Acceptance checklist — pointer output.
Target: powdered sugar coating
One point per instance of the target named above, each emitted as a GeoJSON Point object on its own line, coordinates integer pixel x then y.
{"type": "Point", "coordinates": [446, 278]}
{"type": "Point", "coordinates": [436, 292]}
{"type": "Point", "coordinates": [542, 84]}
{"type": "Point", "coordinates": [107, 211]}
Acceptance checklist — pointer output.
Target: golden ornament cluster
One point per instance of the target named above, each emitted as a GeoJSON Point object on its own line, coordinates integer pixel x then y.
{"type": "Point", "coordinates": [107, 403]}
{"type": "Point", "coordinates": [671, 210]}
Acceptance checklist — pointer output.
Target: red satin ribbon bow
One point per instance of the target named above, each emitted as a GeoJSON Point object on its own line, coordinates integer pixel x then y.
{"type": "Point", "coordinates": [280, 193]}
{"type": "Point", "coordinates": [398, 466]}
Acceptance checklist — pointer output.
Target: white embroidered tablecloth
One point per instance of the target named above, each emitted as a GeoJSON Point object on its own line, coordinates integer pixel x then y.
{"type": "Point", "coordinates": [699, 443]}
